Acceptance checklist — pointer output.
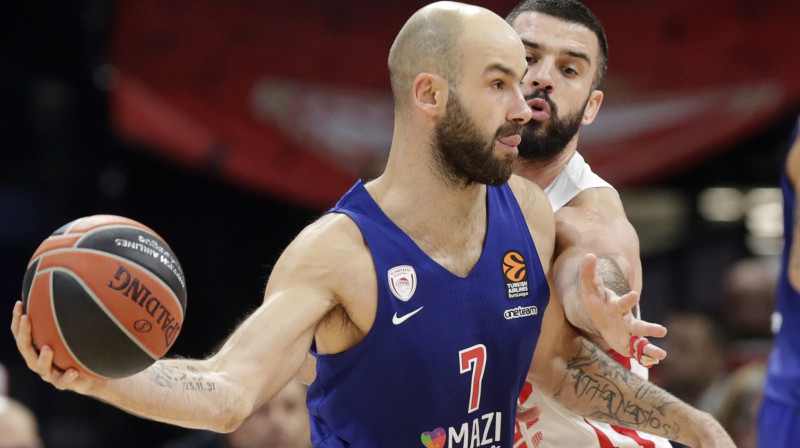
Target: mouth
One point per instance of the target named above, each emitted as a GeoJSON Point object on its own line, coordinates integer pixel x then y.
{"type": "Point", "coordinates": [511, 141]}
{"type": "Point", "coordinates": [540, 108]}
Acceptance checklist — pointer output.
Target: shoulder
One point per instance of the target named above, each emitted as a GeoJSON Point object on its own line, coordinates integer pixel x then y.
{"type": "Point", "coordinates": [601, 201]}
{"type": "Point", "coordinates": [326, 253]}
{"type": "Point", "coordinates": [596, 214]}
{"type": "Point", "coordinates": [532, 200]}
{"type": "Point", "coordinates": [538, 214]}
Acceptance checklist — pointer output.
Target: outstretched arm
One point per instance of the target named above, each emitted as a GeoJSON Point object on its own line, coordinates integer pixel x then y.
{"type": "Point", "coordinates": [585, 380]}
{"type": "Point", "coordinates": [600, 293]}
{"type": "Point", "coordinates": [256, 361]}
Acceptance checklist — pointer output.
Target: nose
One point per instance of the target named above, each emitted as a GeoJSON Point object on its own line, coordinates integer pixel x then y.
{"type": "Point", "coordinates": [540, 77]}
{"type": "Point", "coordinates": [519, 112]}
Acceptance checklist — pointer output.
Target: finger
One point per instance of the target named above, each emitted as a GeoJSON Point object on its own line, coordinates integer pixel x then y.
{"type": "Point", "coordinates": [648, 361]}
{"type": "Point", "coordinates": [643, 351]}
{"type": "Point", "coordinates": [64, 380]}
{"type": "Point", "coordinates": [529, 414]}
{"type": "Point", "coordinates": [24, 342]}
{"type": "Point", "coordinates": [44, 363]}
{"type": "Point", "coordinates": [627, 302]}
{"type": "Point", "coordinates": [15, 317]}
{"type": "Point", "coordinates": [588, 271]}
{"type": "Point", "coordinates": [654, 352]}
{"type": "Point", "coordinates": [647, 329]}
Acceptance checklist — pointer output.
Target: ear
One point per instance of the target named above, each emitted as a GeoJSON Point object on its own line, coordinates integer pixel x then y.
{"type": "Point", "coordinates": [592, 107]}
{"type": "Point", "coordinates": [430, 94]}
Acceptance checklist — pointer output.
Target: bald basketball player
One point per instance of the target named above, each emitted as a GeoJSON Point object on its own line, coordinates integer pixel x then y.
{"type": "Point", "coordinates": [422, 293]}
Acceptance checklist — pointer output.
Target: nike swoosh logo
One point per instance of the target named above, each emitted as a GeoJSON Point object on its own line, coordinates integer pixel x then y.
{"type": "Point", "coordinates": [399, 320]}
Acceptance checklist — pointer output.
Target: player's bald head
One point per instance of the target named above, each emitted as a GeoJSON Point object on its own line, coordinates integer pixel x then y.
{"type": "Point", "coordinates": [432, 41]}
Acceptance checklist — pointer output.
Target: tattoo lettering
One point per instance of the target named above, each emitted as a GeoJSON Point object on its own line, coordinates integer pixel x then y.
{"type": "Point", "coordinates": [617, 396]}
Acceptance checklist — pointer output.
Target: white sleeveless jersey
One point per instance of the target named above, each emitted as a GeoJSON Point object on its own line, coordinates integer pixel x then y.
{"type": "Point", "coordinates": [574, 178]}
{"type": "Point", "coordinates": [558, 427]}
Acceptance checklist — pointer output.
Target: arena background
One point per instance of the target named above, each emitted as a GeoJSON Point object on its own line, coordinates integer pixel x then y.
{"type": "Point", "coordinates": [228, 125]}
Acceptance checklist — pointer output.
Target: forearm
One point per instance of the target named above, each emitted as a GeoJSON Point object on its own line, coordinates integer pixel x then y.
{"type": "Point", "coordinates": [595, 386]}
{"type": "Point", "coordinates": [186, 393]}
{"type": "Point", "coordinates": [568, 284]}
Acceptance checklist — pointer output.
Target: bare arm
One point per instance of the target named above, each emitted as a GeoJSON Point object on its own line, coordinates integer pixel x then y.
{"type": "Point", "coordinates": [258, 359]}
{"type": "Point", "coordinates": [600, 293]}
{"type": "Point", "coordinates": [585, 380]}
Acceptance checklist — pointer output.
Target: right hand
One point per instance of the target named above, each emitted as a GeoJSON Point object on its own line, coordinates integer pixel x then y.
{"type": "Point", "coordinates": [41, 361]}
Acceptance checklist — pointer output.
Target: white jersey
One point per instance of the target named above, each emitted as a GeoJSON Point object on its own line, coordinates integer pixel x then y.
{"type": "Point", "coordinates": [558, 427]}
{"type": "Point", "coordinates": [574, 178]}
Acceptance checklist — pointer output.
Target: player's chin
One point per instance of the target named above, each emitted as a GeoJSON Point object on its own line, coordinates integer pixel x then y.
{"type": "Point", "coordinates": [504, 151]}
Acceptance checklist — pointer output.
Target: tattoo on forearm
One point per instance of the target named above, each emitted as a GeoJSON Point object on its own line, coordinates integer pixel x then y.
{"type": "Point", "coordinates": [184, 377]}
{"type": "Point", "coordinates": [617, 396]}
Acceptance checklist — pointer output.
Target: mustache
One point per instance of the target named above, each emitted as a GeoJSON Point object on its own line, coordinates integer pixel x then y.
{"type": "Point", "coordinates": [542, 95]}
{"type": "Point", "coordinates": [509, 129]}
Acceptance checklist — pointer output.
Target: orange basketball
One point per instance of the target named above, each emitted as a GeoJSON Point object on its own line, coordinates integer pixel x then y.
{"type": "Point", "coordinates": [107, 294]}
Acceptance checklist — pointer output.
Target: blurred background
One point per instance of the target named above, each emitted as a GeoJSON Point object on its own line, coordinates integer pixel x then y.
{"type": "Point", "coordinates": [227, 126]}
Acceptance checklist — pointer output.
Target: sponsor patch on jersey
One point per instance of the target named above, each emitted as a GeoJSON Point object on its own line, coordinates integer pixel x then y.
{"type": "Point", "coordinates": [402, 282]}
{"type": "Point", "coordinates": [521, 311]}
{"type": "Point", "coordinates": [480, 432]}
{"type": "Point", "coordinates": [515, 275]}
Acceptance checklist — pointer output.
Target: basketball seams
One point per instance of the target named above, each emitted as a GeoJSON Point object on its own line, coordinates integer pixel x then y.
{"type": "Point", "coordinates": [106, 227]}
{"type": "Point", "coordinates": [68, 273]}
{"type": "Point", "coordinates": [71, 226]}
{"type": "Point", "coordinates": [100, 304]}
{"type": "Point", "coordinates": [109, 227]}
{"type": "Point", "coordinates": [57, 325]}
{"type": "Point", "coordinates": [174, 297]}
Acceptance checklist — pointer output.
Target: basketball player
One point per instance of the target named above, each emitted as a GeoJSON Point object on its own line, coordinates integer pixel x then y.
{"type": "Point", "coordinates": [567, 57]}
{"type": "Point", "coordinates": [779, 416]}
{"type": "Point", "coordinates": [422, 293]}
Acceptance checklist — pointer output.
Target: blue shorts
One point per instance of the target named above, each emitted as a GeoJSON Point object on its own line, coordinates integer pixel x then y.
{"type": "Point", "coordinates": [778, 425]}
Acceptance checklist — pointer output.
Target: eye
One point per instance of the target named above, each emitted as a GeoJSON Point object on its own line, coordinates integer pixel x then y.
{"type": "Point", "coordinates": [530, 60]}
{"type": "Point", "coordinates": [499, 85]}
{"type": "Point", "coordinates": [569, 71]}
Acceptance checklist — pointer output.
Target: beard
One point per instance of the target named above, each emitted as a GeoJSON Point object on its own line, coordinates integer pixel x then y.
{"type": "Point", "coordinates": [543, 144]}
{"type": "Point", "coordinates": [464, 153]}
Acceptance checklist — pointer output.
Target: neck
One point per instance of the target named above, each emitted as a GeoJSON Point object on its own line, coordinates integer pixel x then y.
{"type": "Point", "coordinates": [543, 173]}
{"type": "Point", "coordinates": [448, 222]}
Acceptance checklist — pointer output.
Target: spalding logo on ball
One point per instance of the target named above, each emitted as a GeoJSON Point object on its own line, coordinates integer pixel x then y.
{"type": "Point", "coordinates": [107, 294]}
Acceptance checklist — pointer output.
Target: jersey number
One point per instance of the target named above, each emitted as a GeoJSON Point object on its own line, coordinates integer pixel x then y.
{"type": "Point", "coordinates": [474, 359]}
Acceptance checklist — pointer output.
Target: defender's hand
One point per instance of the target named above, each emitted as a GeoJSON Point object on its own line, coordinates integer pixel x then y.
{"type": "Point", "coordinates": [614, 318]}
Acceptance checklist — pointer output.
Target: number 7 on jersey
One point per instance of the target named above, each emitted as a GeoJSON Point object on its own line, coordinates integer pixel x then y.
{"type": "Point", "coordinates": [474, 359]}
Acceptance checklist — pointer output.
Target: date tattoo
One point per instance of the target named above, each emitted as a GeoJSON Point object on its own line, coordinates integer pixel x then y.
{"type": "Point", "coordinates": [176, 376]}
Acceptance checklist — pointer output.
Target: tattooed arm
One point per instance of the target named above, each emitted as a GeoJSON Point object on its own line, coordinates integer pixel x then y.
{"type": "Point", "coordinates": [585, 380]}
{"type": "Point", "coordinates": [321, 272]}
{"type": "Point", "coordinates": [600, 294]}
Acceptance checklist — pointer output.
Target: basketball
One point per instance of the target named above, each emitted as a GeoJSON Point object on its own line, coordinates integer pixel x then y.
{"type": "Point", "coordinates": [107, 294]}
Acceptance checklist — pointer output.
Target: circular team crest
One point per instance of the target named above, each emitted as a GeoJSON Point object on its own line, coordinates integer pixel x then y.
{"type": "Point", "coordinates": [402, 282]}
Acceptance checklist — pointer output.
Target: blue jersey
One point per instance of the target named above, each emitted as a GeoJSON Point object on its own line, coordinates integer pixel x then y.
{"type": "Point", "coordinates": [783, 369]}
{"type": "Point", "coordinates": [446, 357]}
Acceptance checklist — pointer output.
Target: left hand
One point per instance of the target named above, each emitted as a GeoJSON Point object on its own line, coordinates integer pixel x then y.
{"type": "Point", "coordinates": [613, 316]}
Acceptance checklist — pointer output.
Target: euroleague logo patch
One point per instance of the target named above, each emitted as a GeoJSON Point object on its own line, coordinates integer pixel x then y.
{"type": "Point", "coordinates": [515, 275]}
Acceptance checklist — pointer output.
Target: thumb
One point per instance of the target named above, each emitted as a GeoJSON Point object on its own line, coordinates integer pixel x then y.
{"type": "Point", "coordinates": [587, 272]}
{"type": "Point", "coordinates": [529, 415]}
